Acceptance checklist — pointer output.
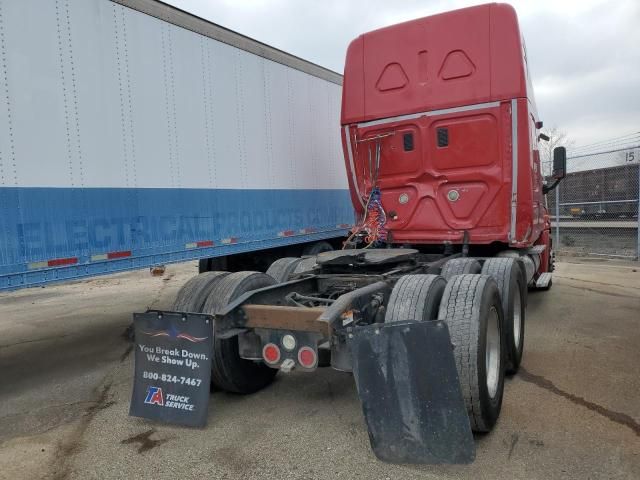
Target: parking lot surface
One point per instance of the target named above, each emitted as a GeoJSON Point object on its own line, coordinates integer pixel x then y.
{"type": "Point", "coordinates": [66, 374]}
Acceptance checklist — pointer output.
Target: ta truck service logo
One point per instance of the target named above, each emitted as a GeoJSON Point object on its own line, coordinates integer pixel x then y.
{"type": "Point", "coordinates": [172, 367]}
{"type": "Point", "coordinates": [154, 396]}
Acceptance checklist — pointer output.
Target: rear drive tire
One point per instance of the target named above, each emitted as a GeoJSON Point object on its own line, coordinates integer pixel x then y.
{"type": "Point", "coordinates": [415, 297]}
{"type": "Point", "coordinates": [229, 371]}
{"type": "Point", "coordinates": [471, 308]}
{"type": "Point", "coordinates": [305, 265]}
{"type": "Point", "coordinates": [283, 268]}
{"type": "Point", "coordinates": [194, 293]}
{"type": "Point", "coordinates": [460, 266]}
{"type": "Point", "coordinates": [513, 290]}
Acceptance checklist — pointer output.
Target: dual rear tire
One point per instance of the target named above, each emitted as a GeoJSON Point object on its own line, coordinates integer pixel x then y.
{"type": "Point", "coordinates": [283, 268]}
{"type": "Point", "coordinates": [512, 285]}
{"type": "Point", "coordinates": [470, 306]}
{"type": "Point", "coordinates": [209, 293]}
{"type": "Point", "coordinates": [510, 278]}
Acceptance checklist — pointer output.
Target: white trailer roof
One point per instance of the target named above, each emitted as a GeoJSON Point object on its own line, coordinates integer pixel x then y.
{"type": "Point", "coordinates": [171, 14]}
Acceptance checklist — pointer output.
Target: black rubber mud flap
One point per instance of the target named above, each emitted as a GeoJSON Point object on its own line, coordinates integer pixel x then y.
{"type": "Point", "coordinates": [408, 384]}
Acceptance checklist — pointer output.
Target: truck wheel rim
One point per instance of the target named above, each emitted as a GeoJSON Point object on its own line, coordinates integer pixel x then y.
{"type": "Point", "coordinates": [517, 319]}
{"type": "Point", "coordinates": [492, 356]}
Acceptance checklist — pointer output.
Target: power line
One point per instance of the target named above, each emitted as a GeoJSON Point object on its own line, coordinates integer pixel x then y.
{"type": "Point", "coordinates": [610, 140]}
{"type": "Point", "coordinates": [605, 145]}
{"type": "Point", "coordinates": [620, 144]}
{"type": "Point", "coordinates": [598, 153]}
{"type": "Point", "coordinates": [611, 144]}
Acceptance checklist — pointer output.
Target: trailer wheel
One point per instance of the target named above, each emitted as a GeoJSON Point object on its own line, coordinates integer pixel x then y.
{"type": "Point", "coordinates": [282, 268]}
{"type": "Point", "coordinates": [471, 308]}
{"type": "Point", "coordinates": [194, 293]}
{"type": "Point", "coordinates": [316, 248]}
{"type": "Point", "coordinates": [229, 371]}
{"type": "Point", "coordinates": [460, 266]}
{"type": "Point", "coordinates": [415, 297]}
{"type": "Point", "coordinates": [513, 290]}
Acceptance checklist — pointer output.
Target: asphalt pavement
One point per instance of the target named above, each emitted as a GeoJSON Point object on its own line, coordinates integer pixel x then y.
{"type": "Point", "coordinates": [66, 372]}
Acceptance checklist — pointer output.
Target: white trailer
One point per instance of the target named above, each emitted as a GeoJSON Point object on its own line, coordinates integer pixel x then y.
{"type": "Point", "coordinates": [134, 134]}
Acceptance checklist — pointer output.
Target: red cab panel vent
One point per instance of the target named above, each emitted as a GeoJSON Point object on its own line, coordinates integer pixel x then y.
{"type": "Point", "coordinates": [392, 77]}
{"type": "Point", "coordinates": [456, 65]}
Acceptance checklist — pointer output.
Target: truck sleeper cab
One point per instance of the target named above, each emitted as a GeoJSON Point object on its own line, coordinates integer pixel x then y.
{"type": "Point", "coordinates": [449, 100]}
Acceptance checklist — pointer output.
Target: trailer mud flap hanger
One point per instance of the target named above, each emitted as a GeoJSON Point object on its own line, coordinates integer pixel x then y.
{"type": "Point", "coordinates": [411, 399]}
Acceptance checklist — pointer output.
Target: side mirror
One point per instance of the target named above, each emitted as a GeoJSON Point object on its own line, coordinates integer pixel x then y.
{"type": "Point", "coordinates": [559, 163]}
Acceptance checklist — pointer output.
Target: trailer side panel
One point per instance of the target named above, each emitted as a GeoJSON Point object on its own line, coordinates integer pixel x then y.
{"type": "Point", "coordinates": [130, 141]}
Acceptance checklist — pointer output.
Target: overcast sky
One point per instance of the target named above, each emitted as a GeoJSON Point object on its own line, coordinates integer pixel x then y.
{"type": "Point", "coordinates": [584, 55]}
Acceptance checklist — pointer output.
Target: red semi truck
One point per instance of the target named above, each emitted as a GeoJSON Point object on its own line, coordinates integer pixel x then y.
{"type": "Point", "coordinates": [426, 302]}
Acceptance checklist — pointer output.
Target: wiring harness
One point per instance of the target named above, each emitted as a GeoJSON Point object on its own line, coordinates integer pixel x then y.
{"type": "Point", "coordinates": [372, 229]}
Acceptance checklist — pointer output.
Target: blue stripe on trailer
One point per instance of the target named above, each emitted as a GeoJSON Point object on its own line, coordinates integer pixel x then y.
{"type": "Point", "coordinates": [155, 224]}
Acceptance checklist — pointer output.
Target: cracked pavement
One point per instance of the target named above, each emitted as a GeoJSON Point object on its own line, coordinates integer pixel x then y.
{"type": "Point", "coordinates": [573, 412]}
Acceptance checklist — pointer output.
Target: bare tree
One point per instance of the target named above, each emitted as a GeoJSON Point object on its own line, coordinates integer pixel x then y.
{"type": "Point", "coordinates": [557, 138]}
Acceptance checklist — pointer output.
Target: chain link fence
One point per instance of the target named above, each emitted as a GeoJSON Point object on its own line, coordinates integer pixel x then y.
{"type": "Point", "coordinates": [594, 210]}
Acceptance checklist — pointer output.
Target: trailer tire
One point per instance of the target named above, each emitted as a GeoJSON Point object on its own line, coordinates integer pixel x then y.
{"type": "Point", "coordinates": [415, 297]}
{"type": "Point", "coordinates": [316, 248]}
{"type": "Point", "coordinates": [283, 268]}
{"type": "Point", "coordinates": [513, 290]}
{"type": "Point", "coordinates": [194, 293]}
{"type": "Point", "coordinates": [229, 371]}
{"type": "Point", "coordinates": [472, 310]}
{"type": "Point", "coordinates": [460, 266]}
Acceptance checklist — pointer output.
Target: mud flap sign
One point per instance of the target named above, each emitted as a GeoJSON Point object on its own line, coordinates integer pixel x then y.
{"type": "Point", "coordinates": [173, 367]}
{"type": "Point", "coordinates": [408, 385]}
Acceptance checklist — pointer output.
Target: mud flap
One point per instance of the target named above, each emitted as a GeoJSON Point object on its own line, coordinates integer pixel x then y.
{"type": "Point", "coordinates": [408, 385]}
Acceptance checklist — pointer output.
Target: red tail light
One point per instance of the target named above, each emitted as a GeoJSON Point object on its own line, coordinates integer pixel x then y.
{"type": "Point", "coordinates": [307, 357]}
{"type": "Point", "coordinates": [271, 353]}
